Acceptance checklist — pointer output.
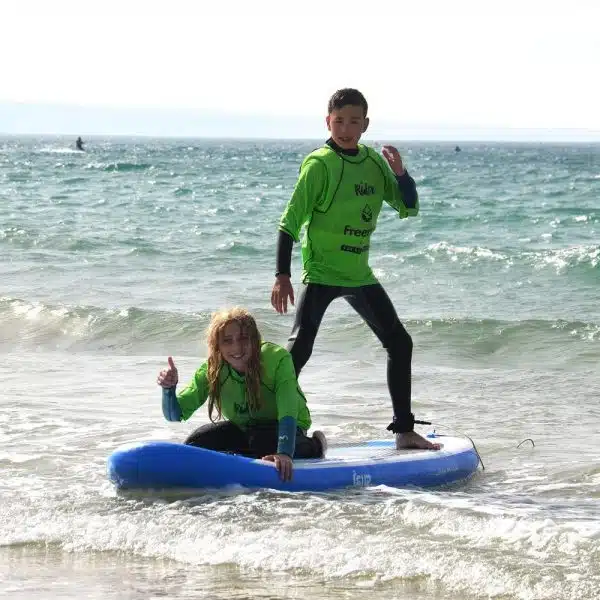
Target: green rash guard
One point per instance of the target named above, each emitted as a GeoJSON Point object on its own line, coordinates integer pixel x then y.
{"type": "Point", "coordinates": [281, 396]}
{"type": "Point", "coordinates": [338, 197]}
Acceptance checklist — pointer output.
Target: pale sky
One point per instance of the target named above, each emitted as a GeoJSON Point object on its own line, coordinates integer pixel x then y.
{"type": "Point", "coordinates": [425, 63]}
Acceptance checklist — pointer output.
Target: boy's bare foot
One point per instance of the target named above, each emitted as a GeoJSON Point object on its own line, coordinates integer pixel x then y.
{"type": "Point", "coordinates": [411, 439]}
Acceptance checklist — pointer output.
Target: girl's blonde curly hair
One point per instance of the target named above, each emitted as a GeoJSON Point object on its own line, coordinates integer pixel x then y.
{"type": "Point", "coordinates": [219, 321]}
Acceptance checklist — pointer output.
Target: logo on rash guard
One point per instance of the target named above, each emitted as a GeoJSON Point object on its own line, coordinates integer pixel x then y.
{"type": "Point", "coordinates": [354, 249]}
{"type": "Point", "coordinates": [364, 189]}
{"type": "Point", "coordinates": [366, 215]}
{"type": "Point", "coordinates": [349, 230]}
{"type": "Point", "coordinates": [241, 409]}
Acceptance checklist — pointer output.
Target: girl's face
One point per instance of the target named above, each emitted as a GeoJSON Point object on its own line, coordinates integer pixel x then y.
{"type": "Point", "coordinates": [234, 345]}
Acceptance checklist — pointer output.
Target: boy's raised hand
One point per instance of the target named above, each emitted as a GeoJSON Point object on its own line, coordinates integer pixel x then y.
{"type": "Point", "coordinates": [394, 159]}
{"type": "Point", "coordinates": [282, 290]}
{"type": "Point", "coordinates": [168, 378]}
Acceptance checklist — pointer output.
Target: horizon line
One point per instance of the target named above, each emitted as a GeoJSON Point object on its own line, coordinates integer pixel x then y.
{"type": "Point", "coordinates": [241, 137]}
{"type": "Point", "coordinates": [56, 119]}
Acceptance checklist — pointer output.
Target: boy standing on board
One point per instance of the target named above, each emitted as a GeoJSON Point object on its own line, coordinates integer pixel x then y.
{"type": "Point", "coordinates": [338, 196]}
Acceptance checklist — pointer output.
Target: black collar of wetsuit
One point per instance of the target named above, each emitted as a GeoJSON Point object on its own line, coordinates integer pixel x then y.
{"type": "Point", "coordinates": [340, 150]}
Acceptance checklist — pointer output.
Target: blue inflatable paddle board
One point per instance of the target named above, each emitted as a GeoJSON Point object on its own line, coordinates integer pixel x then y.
{"type": "Point", "coordinates": [167, 465]}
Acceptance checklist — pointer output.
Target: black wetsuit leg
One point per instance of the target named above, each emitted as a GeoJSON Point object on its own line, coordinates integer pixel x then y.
{"type": "Point", "coordinates": [223, 436]}
{"type": "Point", "coordinates": [310, 308]}
{"type": "Point", "coordinates": [263, 438]}
{"type": "Point", "coordinates": [373, 304]}
{"type": "Point", "coordinates": [258, 441]}
{"type": "Point", "coordinates": [307, 447]}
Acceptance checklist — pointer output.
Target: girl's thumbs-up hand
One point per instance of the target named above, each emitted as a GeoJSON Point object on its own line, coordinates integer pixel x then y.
{"type": "Point", "coordinates": [168, 378]}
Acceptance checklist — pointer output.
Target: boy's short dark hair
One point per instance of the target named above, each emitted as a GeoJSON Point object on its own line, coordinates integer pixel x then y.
{"type": "Point", "coordinates": [345, 97]}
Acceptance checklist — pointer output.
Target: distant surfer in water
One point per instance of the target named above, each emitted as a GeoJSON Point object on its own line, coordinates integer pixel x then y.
{"type": "Point", "coordinates": [338, 196]}
{"type": "Point", "coordinates": [79, 144]}
{"type": "Point", "coordinates": [250, 384]}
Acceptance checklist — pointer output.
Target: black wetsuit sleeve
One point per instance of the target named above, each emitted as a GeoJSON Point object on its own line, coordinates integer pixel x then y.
{"type": "Point", "coordinates": [284, 253]}
{"type": "Point", "coordinates": [408, 188]}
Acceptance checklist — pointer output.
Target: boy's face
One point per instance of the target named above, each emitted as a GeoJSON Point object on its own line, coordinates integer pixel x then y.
{"type": "Point", "coordinates": [347, 124]}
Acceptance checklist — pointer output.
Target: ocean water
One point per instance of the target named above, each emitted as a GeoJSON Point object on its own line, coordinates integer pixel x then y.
{"type": "Point", "coordinates": [113, 259]}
